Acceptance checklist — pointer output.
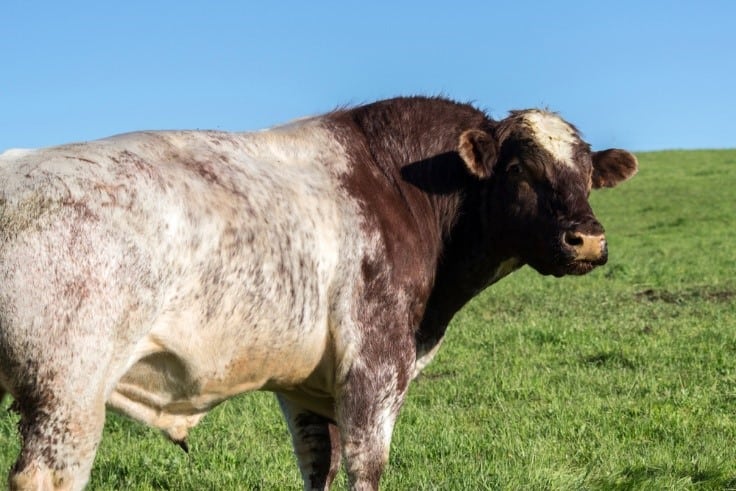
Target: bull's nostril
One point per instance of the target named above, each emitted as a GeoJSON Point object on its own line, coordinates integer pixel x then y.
{"type": "Point", "coordinates": [573, 239]}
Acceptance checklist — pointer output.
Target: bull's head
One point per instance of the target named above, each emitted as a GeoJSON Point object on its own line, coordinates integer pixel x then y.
{"type": "Point", "coordinates": [539, 174]}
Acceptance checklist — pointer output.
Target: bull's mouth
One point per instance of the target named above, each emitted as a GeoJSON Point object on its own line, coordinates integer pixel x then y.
{"type": "Point", "coordinates": [562, 263]}
{"type": "Point", "coordinates": [571, 267]}
{"type": "Point", "coordinates": [581, 267]}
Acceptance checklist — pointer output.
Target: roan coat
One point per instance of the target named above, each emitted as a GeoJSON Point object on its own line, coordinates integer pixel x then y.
{"type": "Point", "coordinates": [160, 273]}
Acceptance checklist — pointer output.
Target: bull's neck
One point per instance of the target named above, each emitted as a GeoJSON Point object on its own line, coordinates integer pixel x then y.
{"type": "Point", "coordinates": [473, 258]}
{"type": "Point", "coordinates": [413, 145]}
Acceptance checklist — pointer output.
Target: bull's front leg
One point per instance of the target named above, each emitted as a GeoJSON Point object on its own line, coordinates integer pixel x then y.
{"type": "Point", "coordinates": [368, 404]}
{"type": "Point", "coordinates": [316, 442]}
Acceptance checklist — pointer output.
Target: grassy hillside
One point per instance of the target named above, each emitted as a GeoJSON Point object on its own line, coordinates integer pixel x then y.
{"type": "Point", "coordinates": [623, 379]}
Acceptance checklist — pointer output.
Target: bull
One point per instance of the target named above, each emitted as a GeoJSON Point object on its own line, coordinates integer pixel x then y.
{"type": "Point", "coordinates": [160, 273]}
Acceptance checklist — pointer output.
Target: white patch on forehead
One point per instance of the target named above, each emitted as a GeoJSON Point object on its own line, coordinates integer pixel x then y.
{"type": "Point", "coordinates": [553, 134]}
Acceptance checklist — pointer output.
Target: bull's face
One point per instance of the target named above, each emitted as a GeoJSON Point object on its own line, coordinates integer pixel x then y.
{"type": "Point", "coordinates": [539, 173]}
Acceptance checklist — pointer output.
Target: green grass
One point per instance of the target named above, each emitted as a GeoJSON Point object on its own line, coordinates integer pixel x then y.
{"type": "Point", "coordinates": [622, 379]}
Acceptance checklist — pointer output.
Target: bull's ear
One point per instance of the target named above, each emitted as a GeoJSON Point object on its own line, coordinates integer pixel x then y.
{"type": "Point", "coordinates": [479, 151]}
{"type": "Point", "coordinates": [612, 166]}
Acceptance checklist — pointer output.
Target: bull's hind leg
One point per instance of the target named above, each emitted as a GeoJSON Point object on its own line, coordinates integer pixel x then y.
{"type": "Point", "coordinates": [316, 442]}
{"type": "Point", "coordinates": [60, 389]}
{"type": "Point", "coordinates": [60, 432]}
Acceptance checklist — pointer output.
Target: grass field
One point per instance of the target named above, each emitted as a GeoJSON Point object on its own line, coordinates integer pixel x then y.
{"type": "Point", "coordinates": [623, 379]}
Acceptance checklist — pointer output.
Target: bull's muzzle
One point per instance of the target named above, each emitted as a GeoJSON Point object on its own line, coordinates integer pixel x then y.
{"type": "Point", "coordinates": [590, 248]}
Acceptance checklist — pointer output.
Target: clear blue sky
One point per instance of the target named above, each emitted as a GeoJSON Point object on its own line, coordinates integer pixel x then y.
{"type": "Point", "coordinates": [643, 75]}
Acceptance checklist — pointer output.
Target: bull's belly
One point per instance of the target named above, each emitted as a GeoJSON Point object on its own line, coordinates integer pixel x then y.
{"type": "Point", "coordinates": [178, 380]}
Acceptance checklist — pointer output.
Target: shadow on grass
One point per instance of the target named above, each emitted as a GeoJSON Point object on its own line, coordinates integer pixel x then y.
{"type": "Point", "coordinates": [642, 477]}
{"type": "Point", "coordinates": [688, 295]}
{"type": "Point", "coordinates": [711, 479]}
{"type": "Point", "coordinates": [614, 359]}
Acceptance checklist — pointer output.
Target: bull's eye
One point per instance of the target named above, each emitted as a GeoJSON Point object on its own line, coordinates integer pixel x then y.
{"type": "Point", "coordinates": [514, 169]}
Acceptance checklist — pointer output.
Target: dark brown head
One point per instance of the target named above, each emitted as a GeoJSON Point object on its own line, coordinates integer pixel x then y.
{"type": "Point", "coordinates": [538, 173]}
